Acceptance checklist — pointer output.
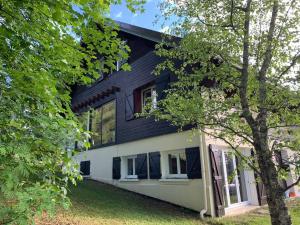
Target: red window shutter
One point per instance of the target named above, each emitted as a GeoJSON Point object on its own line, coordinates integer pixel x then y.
{"type": "Point", "coordinates": [137, 100]}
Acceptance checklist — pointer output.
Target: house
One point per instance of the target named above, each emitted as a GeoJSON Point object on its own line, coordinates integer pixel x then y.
{"type": "Point", "coordinates": [152, 158]}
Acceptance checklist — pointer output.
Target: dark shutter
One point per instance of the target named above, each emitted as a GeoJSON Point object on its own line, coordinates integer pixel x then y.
{"type": "Point", "coordinates": [141, 166]}
{"type": "Point", "coordinates": [129, 111]}
{"type": "Point", "coordinates": [260, 187]}
{"type": "Point", "coordinates": [193, 163]}
{"type": "Point", "coordinates": [116, 168]}
{"type": "Point", "coordinates": [85, 168]}
{"type": "Point", "coordinates": [217, 179]}
{"type": "Point", "coordinates": [137, 96]}
{"type": "Point", "coordinates": [162, 84]}
{"type": "Point", "coordinates": [154, 165]}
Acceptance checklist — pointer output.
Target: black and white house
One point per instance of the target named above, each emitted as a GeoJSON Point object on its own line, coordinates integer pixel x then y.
{"type": "Point", "coordinates": [153, 158]}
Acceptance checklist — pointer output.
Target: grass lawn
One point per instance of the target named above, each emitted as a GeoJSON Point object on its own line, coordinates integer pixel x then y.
{"type": "Point", "coordinates": [97, 203]}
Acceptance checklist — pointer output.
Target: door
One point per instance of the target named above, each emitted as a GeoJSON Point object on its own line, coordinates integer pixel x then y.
{"type": "Point", "coordinates": [234, 181]}
{"type": "Point", "coordinates": [217, 179]}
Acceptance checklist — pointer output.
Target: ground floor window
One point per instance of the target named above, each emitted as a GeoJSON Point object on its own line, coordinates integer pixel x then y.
{"type": "Point", "coordinates": [177, 164]}
{"type": "Point", "coordinates": [130, 164]}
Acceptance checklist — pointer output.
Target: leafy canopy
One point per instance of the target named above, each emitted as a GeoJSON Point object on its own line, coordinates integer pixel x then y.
{"type": "Point", "coordinates": [236, 71]}
{"type": "Point", "coordinates": [42, 56]}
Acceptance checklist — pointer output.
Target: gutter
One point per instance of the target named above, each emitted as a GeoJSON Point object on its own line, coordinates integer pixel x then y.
{"type": "Point", "coordinates": [204, 210]}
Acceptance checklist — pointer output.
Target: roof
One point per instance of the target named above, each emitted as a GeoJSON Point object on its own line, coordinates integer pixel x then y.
{"type": "Point", "coordinates": [145, 33]}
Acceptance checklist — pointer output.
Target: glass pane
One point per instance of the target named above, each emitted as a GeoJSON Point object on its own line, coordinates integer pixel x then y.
{"type": "Point", "coordinates": [83, 119]}
{"type": "Point", "coordinates": [129, 166]}
{"type": "Point", "coordinates": [220, 158]}
{"type": "Point", "coordinates": [146, 96]}
{"type": "Point", "coordinates": [109, 122]}
{"type": "Point", "coordinates": [231, 177]}
{"type": "Point", "coordinates": [96, 126]}
{"type": "Point", "coordinates": [173, 164]}
{"type": "Point", "coordinates": [182, 159]}
{"type": "Point", "coordinates": [154, 98]}
{"type": "Point", "coordinates": [242, 181]}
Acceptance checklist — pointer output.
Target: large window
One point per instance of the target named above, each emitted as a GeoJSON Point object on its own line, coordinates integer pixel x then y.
{"type": "Point", "coordinates": [103, 124]}
{"type": "Point", "coordinates": [177, 164]}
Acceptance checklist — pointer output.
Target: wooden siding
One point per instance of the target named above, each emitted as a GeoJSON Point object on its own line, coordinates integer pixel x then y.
{"type": "Point", "coordinates": [140, 74]}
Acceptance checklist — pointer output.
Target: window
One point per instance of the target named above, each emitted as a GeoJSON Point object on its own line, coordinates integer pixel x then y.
{"type": "Point", "coordinates": [177, 164]}
{"type": "Point", "coordinates": [149, 96]}
{"type": "Point", "coordinates": [103, 124]}
{"type": "Point", "coordinates": [119, 64]}
{"type": "Point", "coordinates": [122, 61]}
{"type": "Point", "coordinates": [83, 119]}
{"type": "Point", "coordinates": [131, 173]}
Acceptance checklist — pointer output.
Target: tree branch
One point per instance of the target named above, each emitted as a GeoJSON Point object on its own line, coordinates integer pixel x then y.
{"type": "Point", "coordinates": [264, 68]}
{"type": "Point", "coordinates": [231, 18]}
{"type": "Point", "coordinates": [246, 113]}
{"type": "Point", "coordinates": [292, 185]}
{"type": "Point", "coordinates": [294, 61]}
{"type": "Point", "coordinates": [244, 158]}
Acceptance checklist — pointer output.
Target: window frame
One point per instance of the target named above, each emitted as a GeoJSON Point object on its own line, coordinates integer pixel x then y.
{"type": "Point", "coordinates": [153, 97]}
{"type": "Point", "coordinates": [179, 174]}
{"type": "Point", "coordinates": [79, 144]}
{"type": "Point", "coordinates": [134, 175]}
{"type": "Point", "coordinates": [89, 126]}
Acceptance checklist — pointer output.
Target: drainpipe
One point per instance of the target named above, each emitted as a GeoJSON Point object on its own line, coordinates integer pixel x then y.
{"type": "Point", "coordinates": [204, 210]}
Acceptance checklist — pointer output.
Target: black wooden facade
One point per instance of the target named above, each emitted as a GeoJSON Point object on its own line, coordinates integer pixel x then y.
{"type": "Point", "coordinates": [121, 85]}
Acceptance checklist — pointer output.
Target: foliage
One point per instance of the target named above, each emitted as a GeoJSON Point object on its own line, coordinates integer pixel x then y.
{"type": "Point", "coordinates": [237, 69]}
{"type": "Point", "coordinates": [42, 57]}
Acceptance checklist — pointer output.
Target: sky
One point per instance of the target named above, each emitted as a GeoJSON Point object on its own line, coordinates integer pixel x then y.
{"type": "Point", "coordinates": [146, 19]}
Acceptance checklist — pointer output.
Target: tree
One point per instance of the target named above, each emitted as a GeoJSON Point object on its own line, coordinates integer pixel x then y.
{"type": "Point", "coordinates": [46, 47]}
{"type": "Point", "coordinates": [237, 69]}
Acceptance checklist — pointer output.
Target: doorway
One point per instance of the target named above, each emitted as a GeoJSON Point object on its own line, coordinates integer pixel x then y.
{"type": "Point", "coordinates": [234, 180]}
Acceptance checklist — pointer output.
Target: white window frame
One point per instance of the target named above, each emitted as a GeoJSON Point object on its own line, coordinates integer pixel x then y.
{"type": "Point", "coordinates": [153, 96]}
{"type": "Point", "coordinates": [236, 181]}
{"type": "Point", "coordinates": [118, 66]}
{"type": "Point", "coordinates": [179, 174]}
{"type": "Point", "coordinates": [134, 176]}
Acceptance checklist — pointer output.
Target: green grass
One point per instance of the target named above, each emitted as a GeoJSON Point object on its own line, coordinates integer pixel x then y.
{"type": "Point", "coordinates": [97, 203]}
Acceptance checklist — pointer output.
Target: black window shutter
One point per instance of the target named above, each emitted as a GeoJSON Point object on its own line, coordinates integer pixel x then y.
{"type": "Point", "coordinates": [129, 107]}
{"type": "Point", "coordinates": [141, 166]}
{"type": "Point", "coordinates": [154, 165]}
{"type": "Point", "coordinates": [217, 179]}
{"type": "Point", "coordinates": [193, 163]}
{"type": "Point", "coordinates": [162, 84]}
{"type": "Point", "coordinates": [116, 168]}
{"type": "Point", "coordinates": [85, 168]}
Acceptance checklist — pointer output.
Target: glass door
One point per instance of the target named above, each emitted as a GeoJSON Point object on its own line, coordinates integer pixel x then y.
{"type": "Point", "coordinates": [232, 180]}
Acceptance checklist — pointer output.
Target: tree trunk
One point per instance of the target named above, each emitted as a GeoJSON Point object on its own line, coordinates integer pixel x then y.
{"type": "Point", "coordinates": [269, 176]}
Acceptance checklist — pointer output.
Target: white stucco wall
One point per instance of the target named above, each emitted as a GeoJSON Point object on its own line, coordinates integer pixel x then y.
{"type": "Point", "coordinates": [185, 192]}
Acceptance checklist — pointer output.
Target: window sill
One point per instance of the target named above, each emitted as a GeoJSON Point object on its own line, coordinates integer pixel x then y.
{"type": "Point", "coordinates": [175, 180]}
{"type": "Point", "coordinates": [129, 180]}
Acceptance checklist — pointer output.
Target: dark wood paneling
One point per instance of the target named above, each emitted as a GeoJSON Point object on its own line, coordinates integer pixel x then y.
{"type": "Point", "coordinates": [140, 74]}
